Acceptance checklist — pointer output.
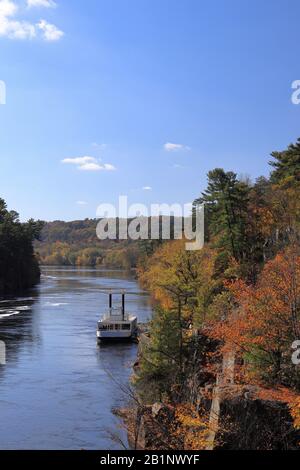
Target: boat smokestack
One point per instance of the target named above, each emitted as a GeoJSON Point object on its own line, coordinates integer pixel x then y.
{"type": "Point", "coordinates": [110, 301]}
{"type": "Point", "coordinates": [123, 306]}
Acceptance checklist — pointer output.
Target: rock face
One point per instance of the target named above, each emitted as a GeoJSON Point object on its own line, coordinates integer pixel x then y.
{"type": "Point", "coordinates": [240, 420]}
{"type": "Point", "coordinates": [156, 423]}
{"type": "Point", "coordinates": [241, 417]}
{"type": "Point", "coordinates": [148, 427]}
{"type": "Point", "coordinates": [247, 422]}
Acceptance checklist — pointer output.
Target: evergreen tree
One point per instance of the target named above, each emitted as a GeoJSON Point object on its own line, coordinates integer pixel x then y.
{"type": "Point", "coordinates": [286, 164]}
{"type": "Point", "coordinates": [226, 203]}
{"type": "Point", "coordinates": [18, 266]}
{"type": "Point", "coordinates": [161, 356]}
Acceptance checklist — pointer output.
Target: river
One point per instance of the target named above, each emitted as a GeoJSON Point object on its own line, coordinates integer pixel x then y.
{"type": "Point", "coordinates": [55, 388]}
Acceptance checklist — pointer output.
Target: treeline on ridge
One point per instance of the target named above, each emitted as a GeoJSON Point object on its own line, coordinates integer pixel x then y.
{"type": "Point", "coordinates": [76, 244]}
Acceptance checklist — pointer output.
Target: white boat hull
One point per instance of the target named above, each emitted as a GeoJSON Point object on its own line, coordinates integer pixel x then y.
{"type": "Point", "coordinates": [116, 327]}
{"type": "Point", "coordinates": [115, 335]}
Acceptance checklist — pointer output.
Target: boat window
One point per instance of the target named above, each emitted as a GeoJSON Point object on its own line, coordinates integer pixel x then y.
{"type": "Point", "coordinates": [126, 326]}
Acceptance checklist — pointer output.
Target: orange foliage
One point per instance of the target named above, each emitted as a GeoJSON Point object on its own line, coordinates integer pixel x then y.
{"type": "Point", "coordinates": [282, 394]}
{"type": "Point", "coordinates": [295, 412]}
{"type": "Point", "coordinates": [265, 318]}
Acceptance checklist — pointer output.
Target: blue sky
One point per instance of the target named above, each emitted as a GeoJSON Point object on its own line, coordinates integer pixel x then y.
{"type": "Point", "coordinates": [116, 80]}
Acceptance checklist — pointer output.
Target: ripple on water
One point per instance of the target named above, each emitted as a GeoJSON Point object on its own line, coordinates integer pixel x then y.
{"type": "Point", "coordinates": [9, 313]}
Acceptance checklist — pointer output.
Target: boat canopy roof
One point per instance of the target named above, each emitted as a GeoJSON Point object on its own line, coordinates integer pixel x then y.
{"type": "Point", "coordinates": [116, 315]}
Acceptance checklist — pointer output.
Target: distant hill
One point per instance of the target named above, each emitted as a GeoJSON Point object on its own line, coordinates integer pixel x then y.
{"type": "Point", "coordinates": [76, 244]}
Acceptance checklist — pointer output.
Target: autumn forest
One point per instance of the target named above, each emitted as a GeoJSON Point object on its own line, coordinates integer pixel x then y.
{"type": "Point", "coordinates": [226, 322]}
{"type": "Point", "coordinates": [227, 317]}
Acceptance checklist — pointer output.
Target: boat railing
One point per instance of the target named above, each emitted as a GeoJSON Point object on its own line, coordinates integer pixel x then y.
{"type": "Point", "coordinates": [116, 314]}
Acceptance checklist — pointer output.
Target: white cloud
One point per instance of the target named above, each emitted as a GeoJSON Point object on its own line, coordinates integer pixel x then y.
{"type": "Point", "coordinates": [11, 28]}
{"type": "Point", "coordinates": [96, 167]}
{"type": "Point", "coordinates": [7, 8]}
{"type": "Point", "coordinates": [108, 167]}
{"type": "Point", "coordinates": [176, 165]}
{"type": "Point", "coordinates": [81, 203]}
{"type": "Point", "coordinates": [50, 31]}
{"type": "Point", "coordinates": [89, 164]}
{"type": "Point", "coordinates": [147, 188]}
{"type": "Point", "coordinates": [79, 160]}
{"type": "Point", "coordinates": [41, 3]}
{"type": "Point", "coordinates": [91, 167]}
{"type": "Point", "coordinates": [14, 28]}
{"type": "Point", "coordinates": [171, 147]}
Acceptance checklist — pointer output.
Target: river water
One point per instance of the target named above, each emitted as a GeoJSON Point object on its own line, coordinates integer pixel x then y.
{"type": "Point", "coordinates": [58, 387]}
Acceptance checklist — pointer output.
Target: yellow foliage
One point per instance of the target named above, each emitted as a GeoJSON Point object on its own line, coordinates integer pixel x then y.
{"type": "Point", "coordinates": [175, 275]}
{"type": "Point", "coordinates": [192, 426]}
